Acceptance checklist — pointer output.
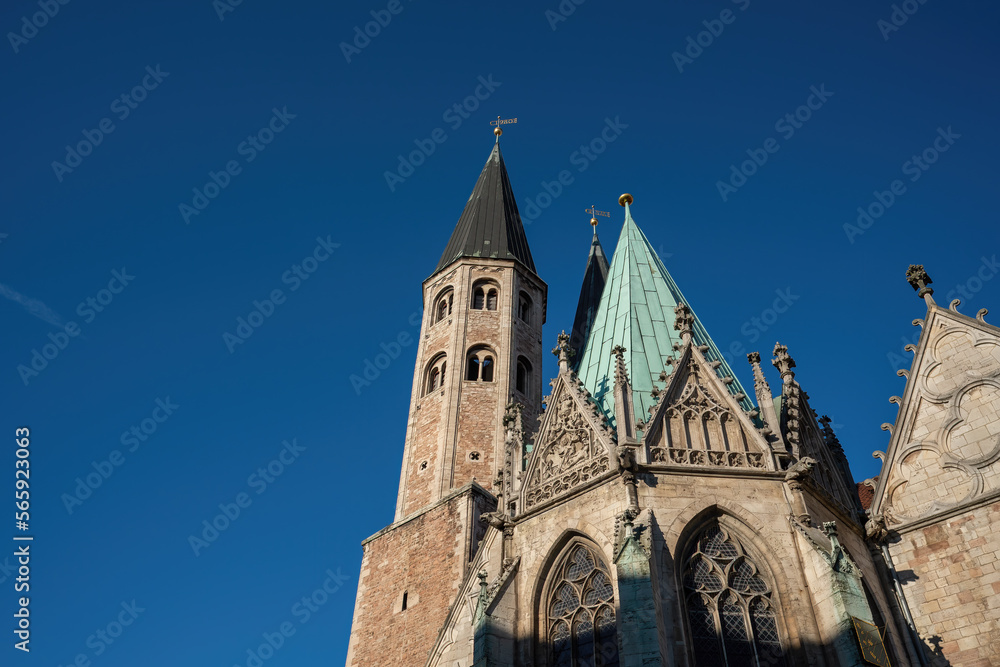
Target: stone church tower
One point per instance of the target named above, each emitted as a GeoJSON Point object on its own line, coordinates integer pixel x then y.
{"type": "Point", "coordinates": [649, 511]}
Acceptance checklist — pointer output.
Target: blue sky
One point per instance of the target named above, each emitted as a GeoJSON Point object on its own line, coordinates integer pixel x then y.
{"type": "Point", "coordinates": [278, 141]}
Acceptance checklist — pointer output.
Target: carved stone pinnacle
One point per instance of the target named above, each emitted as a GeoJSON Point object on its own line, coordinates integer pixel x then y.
{"type": "Point", "coordinates": [783, 361]}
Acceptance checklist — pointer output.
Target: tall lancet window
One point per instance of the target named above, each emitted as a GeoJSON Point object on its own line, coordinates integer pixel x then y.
{"type": "Point", "coordinates": [730, 610]}
{"type": "Point", "coordinates": [579, 611]}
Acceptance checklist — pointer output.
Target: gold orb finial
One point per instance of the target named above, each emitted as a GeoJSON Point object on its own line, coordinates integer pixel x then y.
{"type": "Point", "coordinates": [497, 131]}
{"type": "Point", "coordinates": [593, 222]}
{"type": "Point", "coordinates": [625, 199]}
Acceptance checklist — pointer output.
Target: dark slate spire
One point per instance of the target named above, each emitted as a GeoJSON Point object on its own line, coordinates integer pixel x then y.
{"type": "Point", "coordinates": [590, 296]}
{"type": "Point", "coordinates": [490, 225]}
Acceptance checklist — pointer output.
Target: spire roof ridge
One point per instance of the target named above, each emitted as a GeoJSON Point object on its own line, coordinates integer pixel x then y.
{"type": "Point", "coordinates": [490, 224]}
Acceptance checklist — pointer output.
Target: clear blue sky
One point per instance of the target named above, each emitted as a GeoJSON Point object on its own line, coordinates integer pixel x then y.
{"type": "Point", "coordinates": [211, 83]}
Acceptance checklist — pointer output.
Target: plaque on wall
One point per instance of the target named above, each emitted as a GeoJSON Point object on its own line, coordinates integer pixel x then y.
{"type": "Point", "coordinates": [870, 642]}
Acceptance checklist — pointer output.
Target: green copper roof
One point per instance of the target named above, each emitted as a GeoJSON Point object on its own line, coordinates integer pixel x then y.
{"type": "Point", "coordinates": [637, 312]}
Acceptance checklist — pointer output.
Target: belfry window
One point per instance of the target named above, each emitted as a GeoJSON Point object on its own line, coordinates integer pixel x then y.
{"type": "Point", "coordinates": [485, 295]}
{"type": "Point", "coordinates": [524, 308]}
{"type": "Point", "coordinates": [442, 307]}
{"type": "Point", "coordinates": [522, 381]}
{"type": "Point", "coordinates": [579, 612]}
{"type": "Point", "coordinates": [435, 374]}
{"type": "Point", "coordinates": [479, 365]}
{"type": "Point", "coordinates": [730, 609]}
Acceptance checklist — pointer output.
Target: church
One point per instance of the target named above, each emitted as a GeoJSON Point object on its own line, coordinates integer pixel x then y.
{"type": "Point", "coordinates": [647, 509]}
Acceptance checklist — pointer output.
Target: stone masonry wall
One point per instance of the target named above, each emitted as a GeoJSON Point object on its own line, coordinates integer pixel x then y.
{"type": "Point", "coordinates": [952, 584]}
{"type": "Point", "coordinates": [425, 557]}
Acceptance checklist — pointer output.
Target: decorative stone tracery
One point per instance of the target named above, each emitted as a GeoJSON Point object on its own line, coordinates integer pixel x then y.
{"type": "Point", "coordinates": [730, 610]}
{"type": "Point", "coordinates": [579, 612]}
{"type": "Point", "coordinates": [569, 453]}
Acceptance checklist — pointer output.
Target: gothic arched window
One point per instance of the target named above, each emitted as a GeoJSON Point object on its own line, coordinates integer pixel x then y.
{"type": "Point", "coordinates": [485, 295]}
{"type": "Point", "coordinates": [479, 365]}
{"type": "Point", "coordinates": [579, 611]}
{"type": "Point", "coordinates": [730, 610]}
{"type": "Point", "coordinates": [442, 307]}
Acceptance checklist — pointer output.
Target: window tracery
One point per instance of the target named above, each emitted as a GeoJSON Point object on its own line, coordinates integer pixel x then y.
{"type": "Point", "coordinates": [580, 612]}
{"type": "Point", "coordinates": [729, 604]}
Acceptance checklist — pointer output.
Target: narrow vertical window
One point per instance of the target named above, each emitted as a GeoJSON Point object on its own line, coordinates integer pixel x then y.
{"type": "Point", "coordinates": [478, 298]}
{"type": "Point", "coordinates": [524, 308]}
{"type": "Point", "coordinates": [403, 607]}
{"type": "Point", "coordinates": [491, 300]}
{"type": "Point", "coordinates": [522, 379]}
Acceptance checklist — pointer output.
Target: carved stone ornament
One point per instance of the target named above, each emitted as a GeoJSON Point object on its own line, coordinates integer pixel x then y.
{"type": "Point", "coordinates": [569, 455]}
{"type": "Point", "coordinates": [800, 471]}
{"type": "Point", "coordinates": [683, 319]}
{"type": "Point", "coordinates": [919, 280]}
{"type": "Point", "coordinates": [876, 529]}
